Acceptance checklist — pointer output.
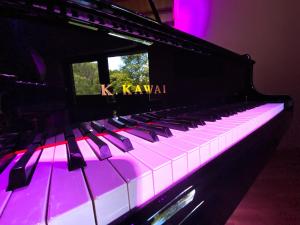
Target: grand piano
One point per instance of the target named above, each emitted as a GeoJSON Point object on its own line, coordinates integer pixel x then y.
{"type": "Point", "coordinates": [180, 144]}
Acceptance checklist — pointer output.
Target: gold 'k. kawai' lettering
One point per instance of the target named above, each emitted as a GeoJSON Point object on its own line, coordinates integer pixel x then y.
{"type": "Point", "coordinates": [129, 89]}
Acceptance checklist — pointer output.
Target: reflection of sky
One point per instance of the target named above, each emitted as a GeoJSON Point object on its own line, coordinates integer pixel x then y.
{"type": "Point", "coordinates": [115, 63]}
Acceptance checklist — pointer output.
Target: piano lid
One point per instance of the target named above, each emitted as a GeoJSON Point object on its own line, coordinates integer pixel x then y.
{"type": "Point", "coordinates": [51, 42]}
{"type": "Point", "coordinates": [104, 14]}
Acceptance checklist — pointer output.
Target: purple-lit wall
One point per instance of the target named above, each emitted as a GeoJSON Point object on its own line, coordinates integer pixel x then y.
{"type": "Point", "coordinates": [268, 30]}
{"type": "Point", "coordinates": [192, 16]}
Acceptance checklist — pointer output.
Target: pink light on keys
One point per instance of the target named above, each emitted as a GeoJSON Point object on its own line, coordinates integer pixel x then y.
{"type": "Point", "coordinates": [126, 180]}
{"type": "Point", "coordinates": [136, 174]}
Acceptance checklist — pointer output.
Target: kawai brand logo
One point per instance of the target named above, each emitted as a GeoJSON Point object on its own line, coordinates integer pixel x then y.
{"type": "Point", "coordinates": [129, 89]}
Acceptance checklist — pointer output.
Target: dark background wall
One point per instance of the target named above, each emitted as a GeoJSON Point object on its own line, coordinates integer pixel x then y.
{"type": "Point", "coordinates": [270, 32]}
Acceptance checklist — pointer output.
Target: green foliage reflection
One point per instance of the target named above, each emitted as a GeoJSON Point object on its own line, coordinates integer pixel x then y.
{"type": "Point", "coordinates": [86, 78]}
{"type": "Point", "coordinates": [133, 71]}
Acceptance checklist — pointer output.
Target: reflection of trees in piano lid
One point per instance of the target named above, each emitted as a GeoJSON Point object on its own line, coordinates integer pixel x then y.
{"type": "Point", "coordinates": [131, 70]}
{"type": "Point", "coordinates": [130, 75]}
{"type": "Point", "coordinates": [86, 78]}
{"type": "Point", "coordinates": [123, 70]}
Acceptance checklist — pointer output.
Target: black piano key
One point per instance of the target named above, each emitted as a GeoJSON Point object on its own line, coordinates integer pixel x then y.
{"type": "Point", "coordinates": [143, 133]}
{"type": "Point", "coordinates": [100, 148]}
{"type": "Point", "coordinates": [233, 112]}
{"type": "Point", "coordinates": [128, 122]}
{"type": "Point", "coordinates": [191, 118]}
{"type": "Point", "coordinates": [97, 126]}
{"type": "Point", "coordinates": [75, 158]}
{"type": "Point", "coordinates": [208, 118]}
{"type": "Point", "coordinates": [136, 131]}
{"type": "Point", "coordinates": [69, 132]}
{"type": "Point", "coordinates": [5, 160]}
{"type": "Point", "coordinates": [188, 123]}
{"type": "Point", "coordinates": [22, 171]}
{"type": "Point", "coordinates": [219, 113]}
{"type": "Point", "coordinates": [141, 118]}
{"type": "Point", "coordinates": [155, 115]}
{"type": "Point", "coordinates": [215, 116]}
{"type": "Point", "coordinates": [173, 125]}
{"type": "Point", "coordinates": [149, 117]}
{"type": "Point", "coordinates": [227, 114]}
{"type": "Point", "coordinates": [116, 139]}
{"type": "Point", "coordinates": [77, 133]}
{"type": "Point", "coordinates": [38, 139]}
{"type": "Point", "coordinates": [84, 128]}
{"type": "Point", "coordinates": [163, 131]}
{"type": "Point", "coordinates": [159, 130]}
{"type": "Point", "coordinates": [116, 123]}
{"type": "Point", "coordinates": [201, 123]}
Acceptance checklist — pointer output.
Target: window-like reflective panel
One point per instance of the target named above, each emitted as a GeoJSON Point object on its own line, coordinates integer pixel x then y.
{"type": "Point", "coordinates": [128, 70]}
{"type": "Point", "coordinates": [86, 78]}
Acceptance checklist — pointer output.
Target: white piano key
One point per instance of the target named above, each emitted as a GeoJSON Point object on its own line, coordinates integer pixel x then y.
{"type": "Point", "coordinates": [216, 137]}
{"type": "Point", "coordinates": [4, 176]}
{"type": "Point", "coordinates": [226, 139]}
{"type": "Point", "coordinates": [192, 150]}
{"type": "Point", "coordinates": [139, 177]}
{"type": "Point", "coordinates": [222, 134]}
{"type": "Point", "coordinates": [202, 137]}
{"type": "Point", "coordinates": [229, 130]}
{"type": "Point", "coordinates": [69, 209]}
{"type": "Point", "coordinates": [203, 144]}
{"type": "Point", "coordinates": [254, 120]}
{"type": "Point", "coordinates": [178, 158]}
{"type": "Point", "coordinates": [108, 189]}
{"type": "Point", "coordinates": [160, 166]}
{"type": "Point", "coordinates": [205, 153]}
{"type": "Point", "coordinates": [263, 118]}
{"type": "Point", "coordinates": [241, 124]}
{"type": "Point", "coordinates": [239, 128]}
{"type": "Point", "coordinates": [69, 198]}
{"type": "Point", "coordinates": [28, 205]}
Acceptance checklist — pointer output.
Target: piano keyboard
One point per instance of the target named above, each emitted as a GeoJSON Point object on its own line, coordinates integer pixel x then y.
{"type": "Point", "coordinates": [82, 177]}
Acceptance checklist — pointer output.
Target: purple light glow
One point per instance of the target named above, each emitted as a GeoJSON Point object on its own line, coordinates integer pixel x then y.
{"type": "Point", "coordinates": [192, 16]}
{"type": "Point", "coordinates": [39, 63]}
